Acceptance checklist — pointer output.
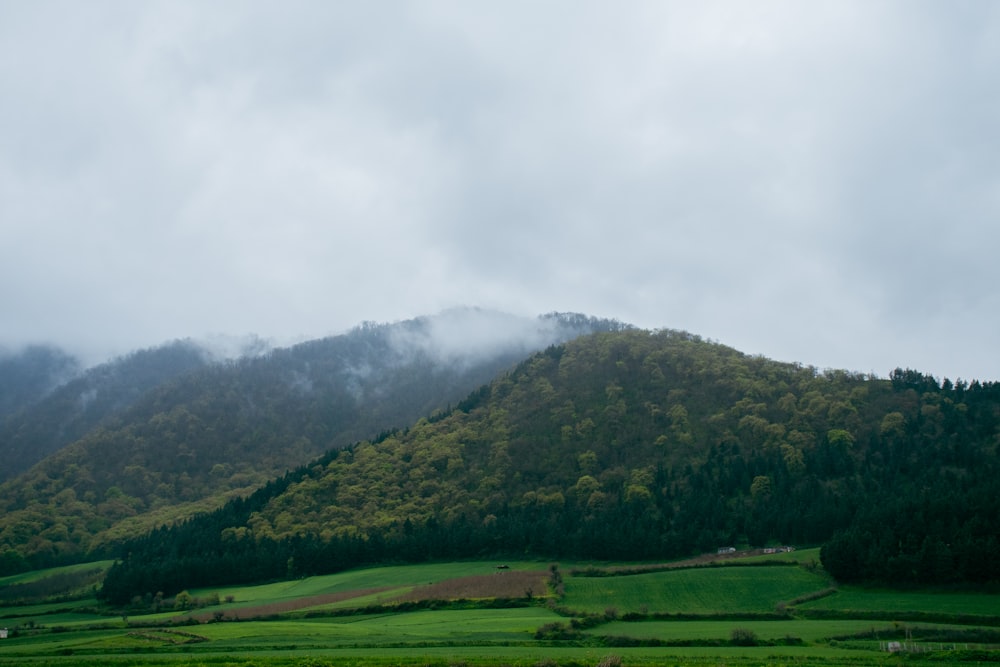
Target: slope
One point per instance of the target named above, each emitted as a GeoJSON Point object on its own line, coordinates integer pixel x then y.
{"type": "Point", "coordinates": [69, 410]}
{"type": "Point", "coordinates": [226, 428]}
{"type": "Point", "coordinates": [29, 374]}
{"type": "Point", "coordinates": [624, 445]}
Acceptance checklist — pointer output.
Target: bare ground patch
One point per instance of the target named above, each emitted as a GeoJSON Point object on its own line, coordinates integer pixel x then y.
{"type": "Point", "coordinates": [507, 584]}
{"type": "Point", "coordinates": [270, 609]}
{"type": "Point", "coordinates": [703, 559]}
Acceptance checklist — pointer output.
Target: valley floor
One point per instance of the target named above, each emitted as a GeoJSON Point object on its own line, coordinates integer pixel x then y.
{"type": "Point", "coordinates": [781, 612]}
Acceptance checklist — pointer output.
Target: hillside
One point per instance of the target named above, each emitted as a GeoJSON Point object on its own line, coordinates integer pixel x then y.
{"type": "Point", "coordinates": [223, 429]}
{"type": "Point", "coordinates": [29, 374]}
{"type": "Point", "coordinates": [71, 407]}
{"type": "Point", "coordinates": [629, 445]}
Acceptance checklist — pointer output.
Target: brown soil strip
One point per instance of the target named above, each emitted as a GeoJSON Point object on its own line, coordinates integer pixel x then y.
{"type": "Point", "coordinates": [258, 611]}
{"type": "Point", "coordinates": [703, 559]}
{"type": "Point", "coordinates": [505, 584]}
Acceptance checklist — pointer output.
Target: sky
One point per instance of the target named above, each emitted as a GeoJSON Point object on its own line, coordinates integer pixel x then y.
{"type": "Point", "coordinates": [815, 182]}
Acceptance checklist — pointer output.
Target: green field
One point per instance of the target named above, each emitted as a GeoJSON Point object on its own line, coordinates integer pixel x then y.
{"type": "Point", "coordinates": [684, 616]}
{"type": "Point", "coordinates": [678, 631]}
{"type": "Point", "coordinates": [27, 577]}
{"type": "Point", "coordinates": [716, 590]}
{"type": "Point", "coordinates": [394, 580]}
{"type": "Point", "coordinates": [872, 600]}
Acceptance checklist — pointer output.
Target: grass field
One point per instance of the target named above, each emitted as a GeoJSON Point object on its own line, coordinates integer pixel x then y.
{"type": "Point", "coordinates": [399, 578]}
{"type": "Point", "coordinates": [350, 618]}
{"type": "Point", "coordinates": [716, 590]}
{"type": "Point", "coordinates": [854, 598]}
{"type": "Point", "coordinates": [28, 577]}
{"type": "Point", "coordinates": [771, 631]}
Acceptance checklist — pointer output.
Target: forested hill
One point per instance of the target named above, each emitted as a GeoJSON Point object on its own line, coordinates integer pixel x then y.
{"type": "Point", "coordinates": [629, 445]}
{"type": "Point", "coordinates": [27, 375]}
{"type": "Point", "coordinates": [68, 403]}
{"type": "Point", "coordinates": [225, 428]}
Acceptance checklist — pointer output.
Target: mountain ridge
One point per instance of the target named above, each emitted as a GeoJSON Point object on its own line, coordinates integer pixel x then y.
{"type": "Point", "coordinates": [77, 403]}
{"type": "Point", "coordinates": [226, 427]}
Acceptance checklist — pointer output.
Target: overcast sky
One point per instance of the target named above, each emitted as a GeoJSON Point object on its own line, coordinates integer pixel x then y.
{"type": "Point", "coordinates": [811, 181]}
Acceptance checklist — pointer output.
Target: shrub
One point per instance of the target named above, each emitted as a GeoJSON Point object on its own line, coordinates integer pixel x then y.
{"type": "Point", "coordinates": [556, 631]}
{"type": "Point", "coordinates": [743, 637]}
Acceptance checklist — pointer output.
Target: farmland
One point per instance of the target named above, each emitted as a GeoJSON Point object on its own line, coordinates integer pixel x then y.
{"type": "Point", "coordinates": [527, 613]}
{"type": "Point", "coordinates": [700, 591]}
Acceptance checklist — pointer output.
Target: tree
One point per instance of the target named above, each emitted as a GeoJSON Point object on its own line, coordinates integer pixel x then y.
{"type": "Point", "coordinates": [760, 489]}
{"type": "Point", "coordinates": [182, 600]}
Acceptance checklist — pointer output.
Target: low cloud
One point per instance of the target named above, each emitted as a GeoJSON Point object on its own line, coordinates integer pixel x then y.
{"type": "Point", "coordinates": [813, 182]}
{"type": "Point", "coordinates": [462, 336]}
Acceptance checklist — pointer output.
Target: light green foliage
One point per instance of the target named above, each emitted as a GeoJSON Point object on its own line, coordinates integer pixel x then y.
{"type": "Point", "coordinates": [761, 487]}
{"type": "Point", "coordinates": [893, 425]}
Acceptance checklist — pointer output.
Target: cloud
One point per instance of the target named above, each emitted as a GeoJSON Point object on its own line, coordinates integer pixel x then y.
{"type": "Point", "coordinates": [466, 336]}
{"type": "Point", "coordinates": [816, 183]}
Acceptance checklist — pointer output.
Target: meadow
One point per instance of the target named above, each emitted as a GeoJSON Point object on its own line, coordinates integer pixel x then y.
{"type": "Point", "coordinates": [709, 590]}
{"type": "Point", "coordinates": [528, 613]}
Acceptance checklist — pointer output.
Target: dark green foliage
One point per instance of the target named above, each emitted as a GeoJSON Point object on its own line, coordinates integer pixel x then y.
{"type": "Point", "coordinates": [629, 445]}
{"type": "Point", "coordinates": [743, 637]}
{"type": "Point", "coordinates": [557, 631]}
{"type": "Point", "coordinates": [60, 586]}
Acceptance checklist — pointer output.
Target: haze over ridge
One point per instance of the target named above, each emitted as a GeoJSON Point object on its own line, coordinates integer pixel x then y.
{"type": "Point", "coordinates": [814, 183]}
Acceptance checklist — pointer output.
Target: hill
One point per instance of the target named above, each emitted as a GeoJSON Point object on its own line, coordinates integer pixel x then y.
{"type": "Point", "coordinates": [70, 407]}
{"type": "Point", "coordinates": [29, 374]}
{"type": "Point", "coordinates": [629, 445]}
{"type": "Point", "coordinates": [224, 428]}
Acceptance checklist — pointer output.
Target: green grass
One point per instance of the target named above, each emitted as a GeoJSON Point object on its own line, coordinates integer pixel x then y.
{"type": "Point", "coordinates": [806, 630]}
{"type": "Point", "coordinates": [477, 627]}
{"type": "Point", "coordinates": [36, 575]}
{"type": "Point", "coordinates": [15, 611]}
{"type": "Point", "coordinates": [68, 619]}
{"type": "Point", "coordinates": [800, 556]}
{"type": "Point", "coordinates": [853, 598]}
{"type": "Point", "coordinates": [513, 656]}
{"type": "Point", "coordinates": [716, 590]}
{"type": "Point", "coordinates": [474, 626]}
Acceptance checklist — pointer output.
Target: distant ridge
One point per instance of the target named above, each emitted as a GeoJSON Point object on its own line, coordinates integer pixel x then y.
{"type": "Point", "coordinates": [29, 374]}
{"type": "Point", "coordinates": [75, 403]}
{"type": "Point", "coordinates": [166, 432]}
